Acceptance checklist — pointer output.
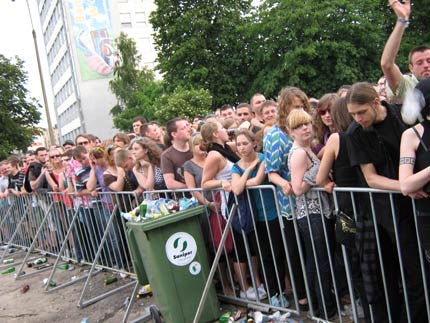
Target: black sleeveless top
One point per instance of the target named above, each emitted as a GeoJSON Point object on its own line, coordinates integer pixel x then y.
{"type": "Point", "coordinates": [422, 160]}
{"type": "Point", "coordinates": [344, 175]}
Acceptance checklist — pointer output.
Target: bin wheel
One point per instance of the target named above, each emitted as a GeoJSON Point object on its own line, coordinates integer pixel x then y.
{"type": "Point", "coordinates": [155, 314]}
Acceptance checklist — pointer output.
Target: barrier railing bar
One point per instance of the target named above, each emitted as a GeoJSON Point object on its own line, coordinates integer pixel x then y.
{"type": "Point", "coordinates": [378, 245]}
{"type": "Point", "coordinates": [214, 265]}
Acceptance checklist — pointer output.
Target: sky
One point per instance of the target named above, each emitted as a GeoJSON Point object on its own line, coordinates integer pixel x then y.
{"type": "Point", "coordinates": [16, 39]}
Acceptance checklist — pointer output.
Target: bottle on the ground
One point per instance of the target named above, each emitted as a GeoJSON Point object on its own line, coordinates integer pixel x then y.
{"type": "Point", "coordinates": [8, 271]}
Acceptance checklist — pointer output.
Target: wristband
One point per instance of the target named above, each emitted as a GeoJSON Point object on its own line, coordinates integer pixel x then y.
{"type": "Point", "coordinates": [404, 21]}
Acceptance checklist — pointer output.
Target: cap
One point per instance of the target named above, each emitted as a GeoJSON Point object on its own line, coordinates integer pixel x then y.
{"type": "Point", "coordinates": [68, 142]}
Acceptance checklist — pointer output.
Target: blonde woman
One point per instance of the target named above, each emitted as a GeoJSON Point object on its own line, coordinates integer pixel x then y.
{"type": "Point", "coordinates": [304, 164]}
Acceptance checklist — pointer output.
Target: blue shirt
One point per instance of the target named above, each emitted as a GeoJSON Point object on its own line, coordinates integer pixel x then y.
{"type": "Point", "coordinates": [267, 194]}
{"type": "Point", "coordinates": [276, 146]}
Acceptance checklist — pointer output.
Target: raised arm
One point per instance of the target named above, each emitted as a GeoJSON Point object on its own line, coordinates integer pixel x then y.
{"type": "Point", "coordinates": [389, 67]}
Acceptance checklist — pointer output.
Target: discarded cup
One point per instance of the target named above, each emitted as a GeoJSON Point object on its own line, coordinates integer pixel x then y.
{"type": "Point", "coordinates": [51, 282]}
{"type": "Point", "coordinates": [144, 291]}
{"type": "Point", "coordinates": [25, 288]}
{"type": "Point", "coordinates": [127, 300]}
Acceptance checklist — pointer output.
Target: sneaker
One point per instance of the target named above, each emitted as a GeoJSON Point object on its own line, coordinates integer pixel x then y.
{"type": "Point", "coordinates": [249, 294]}
{"type": "Point", "coordinates": [279, 300]}
{"type": "Point", "coordinates": [261, 292]}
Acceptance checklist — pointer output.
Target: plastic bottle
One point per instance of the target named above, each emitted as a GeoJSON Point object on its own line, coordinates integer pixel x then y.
{"type": "Point", "coordinates": [63, 266]}
{"type": "Point", "coordinates": [143, 208]}
{"type": "Point", "coordinates": [110, 280]}
{"type": "Point", "coordinates": [225, 317]}
{"type": "Point", "coordinates": [8, 271]}
{"type": "Point", "coordinates": [8, 261]}
{"type": "Point", "coordinates": [40, 261]}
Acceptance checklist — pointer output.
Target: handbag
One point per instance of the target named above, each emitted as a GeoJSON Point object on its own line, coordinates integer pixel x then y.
{"type": "Point", "coordinates": [345, 229]}
{"type": "Point", "coordinates": [243, 219]}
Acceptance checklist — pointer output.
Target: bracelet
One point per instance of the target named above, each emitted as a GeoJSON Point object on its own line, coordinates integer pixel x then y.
{"type": "Point", "coordinates": [404, 21]}
{"type": "Point", "coordinates": [221, 183]}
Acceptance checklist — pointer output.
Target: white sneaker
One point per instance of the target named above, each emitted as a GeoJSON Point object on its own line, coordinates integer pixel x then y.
{"type": "Point", "coordinates": [261, 292]}
{"type": "Point", "coordinates": [249, 294]}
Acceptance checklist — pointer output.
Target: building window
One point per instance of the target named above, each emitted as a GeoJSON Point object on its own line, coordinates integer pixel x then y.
{"type": "Point", "coordinates": [125, 19]}
{"type": "Point", "coordinates": [140, 19]}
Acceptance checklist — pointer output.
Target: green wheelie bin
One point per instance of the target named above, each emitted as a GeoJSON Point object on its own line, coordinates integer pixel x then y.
{"type": "Point", "coordinates": [172, 250]}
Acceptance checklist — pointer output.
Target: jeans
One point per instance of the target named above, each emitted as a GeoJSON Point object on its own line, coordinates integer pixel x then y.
{"type": "Point", "coordinates": [312, 231]}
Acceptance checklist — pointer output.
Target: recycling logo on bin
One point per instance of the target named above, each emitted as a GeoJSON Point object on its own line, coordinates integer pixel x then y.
{"type": "Point", "coordinates": [181, 248]}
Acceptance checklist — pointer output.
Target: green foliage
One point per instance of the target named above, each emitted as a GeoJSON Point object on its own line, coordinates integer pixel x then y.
{"type": "Point", "coordinates": [234, 50]}
{"type": "Point", "coordinates": [19, 114]}
{"type": "Point", "coordinates": [200, 45]}
{"type": "Point", "coordinates": [135, 88]}
{"type": "Point", "coordinates": [183, 103]}
{"type": "Point", "coordinates": [317, 46]}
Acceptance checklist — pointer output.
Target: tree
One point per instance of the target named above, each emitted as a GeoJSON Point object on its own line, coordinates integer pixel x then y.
{"type": "Point", "coordinates": [182, 102]}
{"type": "Point", "coordinates": [418, 33]}
{"type": "Point", "coordinates": [200, 45]}
{"type": "Point", "coordinates": [316, 46]}
{"type": "Point", "coordinates": [135, 88]}
{"type": "Point", "coordinates": [19, 113]}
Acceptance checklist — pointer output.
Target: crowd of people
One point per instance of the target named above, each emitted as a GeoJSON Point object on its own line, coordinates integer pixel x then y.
{"type": "Point", "coordinates": [355, 137]}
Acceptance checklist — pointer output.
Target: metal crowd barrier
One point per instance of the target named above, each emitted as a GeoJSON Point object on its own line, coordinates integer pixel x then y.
{"type": "Point", "coordinates": [373, 283]}
{"type": "Point", "coordinates": [347, 283]}
{"type": "Point", "coordinates": [79, 230]}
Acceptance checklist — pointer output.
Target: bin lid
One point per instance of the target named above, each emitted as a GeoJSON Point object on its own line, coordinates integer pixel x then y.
{"type": "Point", "coordinates": [151, 224]}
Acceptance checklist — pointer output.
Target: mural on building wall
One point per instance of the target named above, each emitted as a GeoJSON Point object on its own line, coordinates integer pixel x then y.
{"type": "Point", "coordinates": [92, 29]}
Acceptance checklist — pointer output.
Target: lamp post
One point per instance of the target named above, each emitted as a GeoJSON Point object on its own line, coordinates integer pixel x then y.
{"type": "Point", "coordinates": [42, 83]}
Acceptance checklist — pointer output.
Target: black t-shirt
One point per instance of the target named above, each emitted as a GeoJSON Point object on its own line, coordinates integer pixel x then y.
{"type": "Point", "coordinates": [379, 145]}
{"type": "Point", "coordinates": [17, 181]}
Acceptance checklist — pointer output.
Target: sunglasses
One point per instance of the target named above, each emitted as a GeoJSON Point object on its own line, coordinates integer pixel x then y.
{"type": "Point", "coordinates": [83, 143]}
{"type": "Point", "coordinates": [55, 156]}
{"type": "Point", "coordinates": [301, 125]}
{"type": "Point", "coordinates": [323, 112]}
